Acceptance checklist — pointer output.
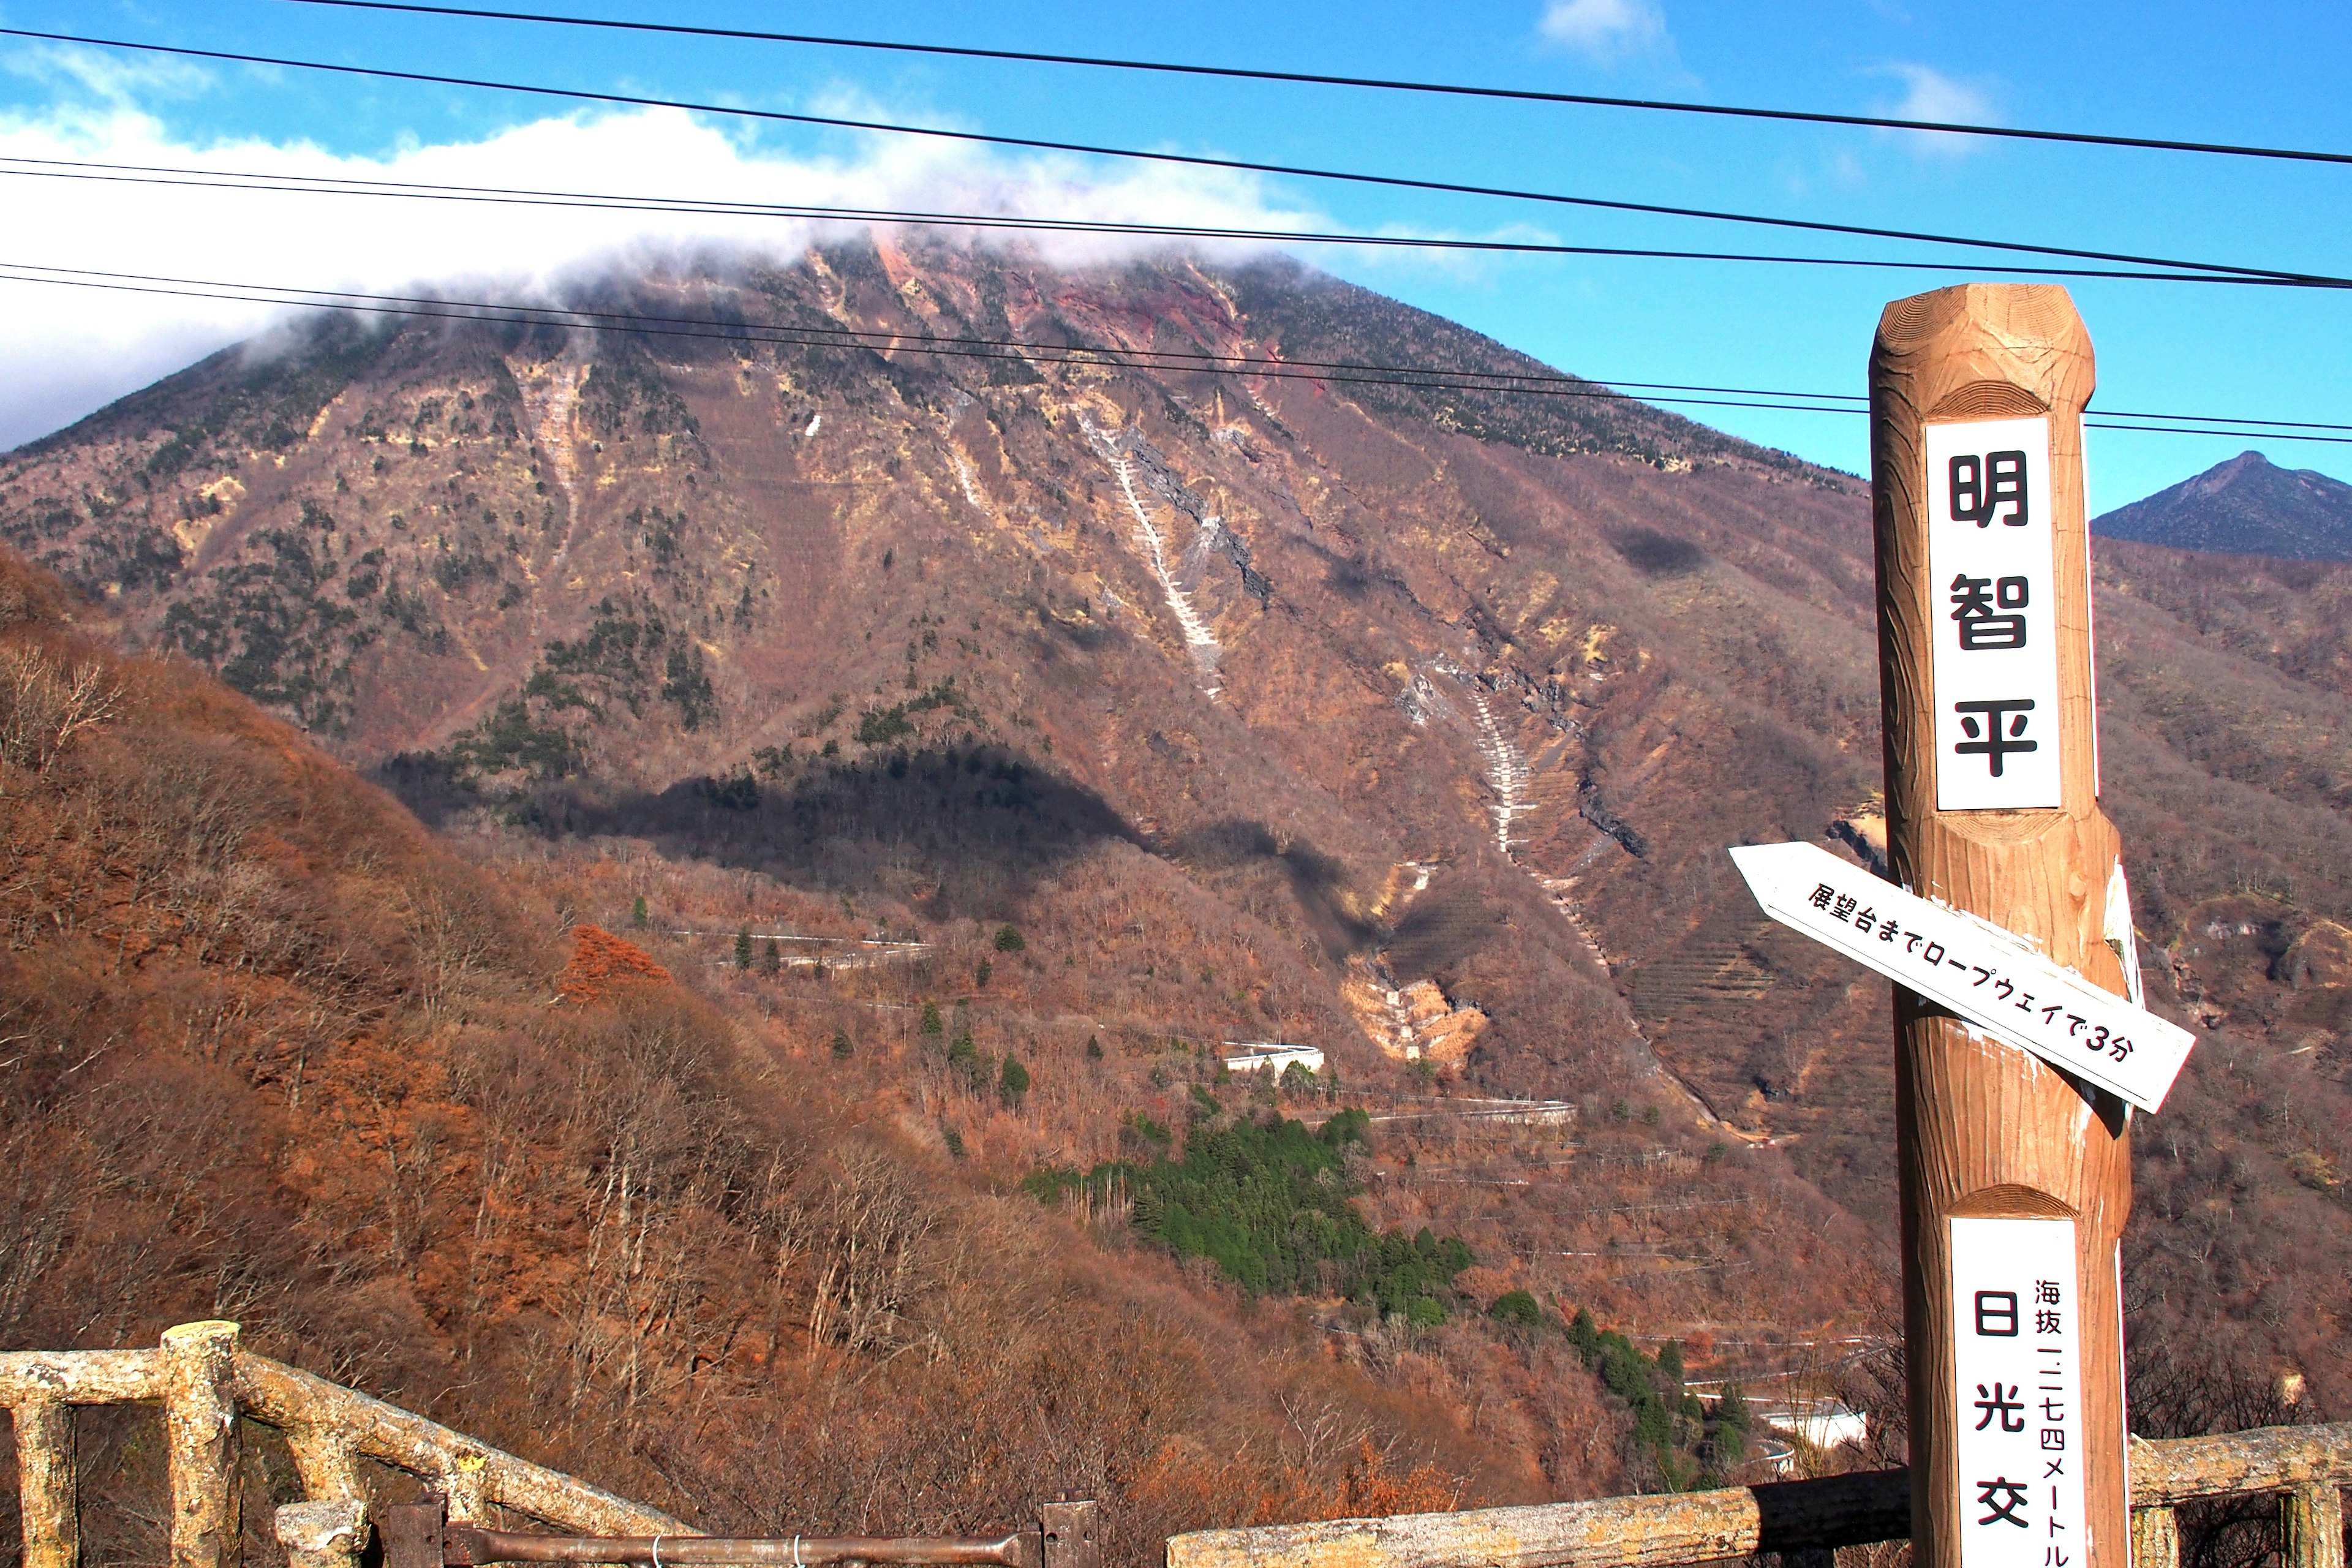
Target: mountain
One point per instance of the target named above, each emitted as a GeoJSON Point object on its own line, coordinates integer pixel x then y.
{"type": "Point", "coordinates": [2246, 506]}
{"type": "Point", "coordinates": [277, 1055]}
{"type": "Point", "coordinates": [1084, 712]}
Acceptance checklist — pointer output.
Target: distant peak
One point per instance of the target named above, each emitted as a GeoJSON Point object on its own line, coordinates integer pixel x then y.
{"type": "Point", "coordinates": [2221, 476]}
{"type": "Point", "coordinates": [2245, 462]}
{"type": "Point", "coordinates": [2246, 506]}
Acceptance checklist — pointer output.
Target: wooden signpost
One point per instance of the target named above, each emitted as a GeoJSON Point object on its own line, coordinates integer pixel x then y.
{"type": "Point", "coordinates": [1992, 788]}
{"type": "Point", "coordinates": [2018, 1035]}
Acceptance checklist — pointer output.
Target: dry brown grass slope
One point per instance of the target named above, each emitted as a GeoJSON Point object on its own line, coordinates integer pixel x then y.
{"type": "Point", "coordinates": [1230, 663]}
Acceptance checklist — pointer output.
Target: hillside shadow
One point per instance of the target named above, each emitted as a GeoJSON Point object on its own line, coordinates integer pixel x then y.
{"type": "Point", "coordinates": [1317, 882]}
{"type": "Point", "coordinates": [975, 823]}
{"type": "Point", "coordinates": [1445, 926]}
{"type": "Point", "coordinates": [1656, 555]}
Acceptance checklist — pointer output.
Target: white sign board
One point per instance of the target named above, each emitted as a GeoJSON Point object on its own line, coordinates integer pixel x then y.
{"type": "Point", "coordinates": [1992, 978]}
{"type": "Point", "coordinates": [2016, 1366]}
{"type": "Point", "coordinates": [1995, 648]}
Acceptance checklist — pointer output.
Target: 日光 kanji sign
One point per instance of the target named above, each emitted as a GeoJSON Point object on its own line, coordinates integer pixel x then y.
{"type": "Point", "coordinates": [2016, 1362]}
{"type": "Point", "coordinates": [1992, 978]}
{"type": "Point", "coordinates": [1995, 652]}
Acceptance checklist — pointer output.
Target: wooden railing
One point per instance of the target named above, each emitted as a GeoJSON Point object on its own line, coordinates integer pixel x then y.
{"type": "Point", "coordinates": [2305, 1467]}
{"type": "Point", "coordinates": [204, 1383]}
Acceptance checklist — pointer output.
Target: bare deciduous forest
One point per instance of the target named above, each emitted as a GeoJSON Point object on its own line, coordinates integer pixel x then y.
{"type": "Point", "coordinates": [816, 876]}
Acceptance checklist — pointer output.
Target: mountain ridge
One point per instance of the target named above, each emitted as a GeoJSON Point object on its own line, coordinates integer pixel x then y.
{"type": "Point", "coordinates": [1253, 701]}
{"type": "Point", "coordinates": [2246, 506]}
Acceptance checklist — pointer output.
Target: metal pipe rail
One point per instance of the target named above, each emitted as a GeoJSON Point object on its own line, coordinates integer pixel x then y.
{"type": "Point", "coordinates": [470, 1548]}
{"type": "Point", "coordinates": [421, 1535]}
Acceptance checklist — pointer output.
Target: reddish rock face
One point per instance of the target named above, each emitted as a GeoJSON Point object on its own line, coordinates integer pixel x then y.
{"type": "Point", "coordinates": [1472, 686]}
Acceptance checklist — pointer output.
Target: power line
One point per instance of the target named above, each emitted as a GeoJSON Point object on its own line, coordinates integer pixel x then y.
{"type": "Point", "coordinates": [1315, 78]}
{"type": "Point", "coordinates": [317, 184]}
{"type": "Point", "coordinates": [1433, 380]}
{"type": "Point", "coordinates": [1427, 378]}
{"type": "Point", "coordinates": [1190, 160]}
{"type": "Point", "coordinates": [1550, 383]}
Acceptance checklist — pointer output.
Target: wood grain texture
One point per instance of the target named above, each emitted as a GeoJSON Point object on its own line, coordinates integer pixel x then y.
{"type": "Point", "coordinates": [47, 1500]}
{"type": "Point", "coordinates": [80, 1377]}
{"type": "Point", "coordinates": [1613, 1531]}
{"type": "Point", "coordinates": [2313, 1517]}
{"type": "Point", "coordinates": [200, 1444]}
{"type": "Point", "coordinates": [2156, 1538]}
{"type": "Point", "coordinates": [2297, 1462]}
{"type": "Point", "coordinates": [280, 1395]}
{"type": "Point", "coordinates": [325, 1534]}
{"type": "Point", "coordinates": [2260, 1459]}
{"type": "Point", "coordinates": [1986, 1129]}
{"type": "Point", "coordinates": [1693, 1527]}
{"type": "Point", "coordinates": [323, 1459]}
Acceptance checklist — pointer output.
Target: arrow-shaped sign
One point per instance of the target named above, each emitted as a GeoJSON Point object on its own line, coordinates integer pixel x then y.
{"type": "Point", "coordinates": [1991, 977]}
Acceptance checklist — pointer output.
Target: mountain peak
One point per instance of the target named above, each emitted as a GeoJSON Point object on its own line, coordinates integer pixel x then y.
{"type": "Point", "coordinates": [2246, 506]}
{"type": "Point", "coordinates": [2246, 465]}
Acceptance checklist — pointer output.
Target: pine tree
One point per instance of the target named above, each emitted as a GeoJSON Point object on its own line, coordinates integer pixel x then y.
{"type": "Point", "coordinates": [743, 949]}
{"type": "Point", "coordinates": [637, 913]}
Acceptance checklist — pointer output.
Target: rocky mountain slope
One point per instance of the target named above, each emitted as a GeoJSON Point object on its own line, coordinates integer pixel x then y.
{"type": "Point", "coordinates": [1411, 721]}
{"type": "Point", "coordinates": [277, 1055]}
{"type": "Point", "coordinates": [2246, 506]}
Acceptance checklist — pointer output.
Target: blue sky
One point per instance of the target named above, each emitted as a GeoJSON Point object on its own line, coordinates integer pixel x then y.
{"type": "Point", "coordinates": [2253, 73]}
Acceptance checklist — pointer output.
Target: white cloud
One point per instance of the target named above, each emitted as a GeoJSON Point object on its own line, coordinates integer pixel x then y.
{"type": "Point", "coordinates": [70, 349]}
{"type": "Point", "coordinates": [116, 80]}
{"type": "Point", "coordinates": [1606, 29]}
{"type": "Point", "coordinates": [1929, 94]}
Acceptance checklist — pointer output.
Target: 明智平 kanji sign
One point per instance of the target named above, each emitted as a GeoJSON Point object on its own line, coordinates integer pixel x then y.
{"type": "Point", "coordinates": [1996, 640]}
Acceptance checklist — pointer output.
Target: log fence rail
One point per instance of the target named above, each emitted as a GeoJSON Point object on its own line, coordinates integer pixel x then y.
{"type": "Point", "coordinates": [204, 1383]}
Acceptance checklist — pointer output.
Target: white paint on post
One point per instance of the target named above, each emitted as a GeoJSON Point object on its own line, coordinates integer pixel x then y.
{"type": "Point", "coordinates": [1995, 659]}
{"type": "Point", "coordinates": [1993, 978]}
{"type": "Point", "coordinates": [2017, 1364]}
{"type": "Point", "coordinates": [2123, 936]}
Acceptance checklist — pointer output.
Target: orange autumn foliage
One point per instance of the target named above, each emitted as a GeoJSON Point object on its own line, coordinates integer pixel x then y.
{"type": "Point", "coordinates": [604, 966]}
{"type": "Point", "coordinates": [1183, 1480]}
{"type": "Point", "coordinates": [279, 1057]}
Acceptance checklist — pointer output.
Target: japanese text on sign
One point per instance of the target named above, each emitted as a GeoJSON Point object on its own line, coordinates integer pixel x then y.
{"type": "Point", "coordinates": [1989, 976]}
{"type": "Point", "coordinates": [1989, 561]}
{"type": "Point", "coordinates": [1990, 973]}
{"type": "Point", "coordinates": [2016, 1362]}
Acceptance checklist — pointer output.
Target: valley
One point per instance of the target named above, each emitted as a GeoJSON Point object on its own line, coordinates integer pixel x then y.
{"type": "Point", "coordinates": [1044, 726]}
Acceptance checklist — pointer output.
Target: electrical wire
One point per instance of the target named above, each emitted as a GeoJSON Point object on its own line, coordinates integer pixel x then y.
{"type": "Point", "coordinates": [1190, 159]}
{"type": "Point", "coordinates": [241, 180]}
{"type": "Point", "coordinates": [1549, 383]}
{"type": "Point", "coordinates": [648, 326]}
{"type": "Point", "coordinates": [1317, 79]}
